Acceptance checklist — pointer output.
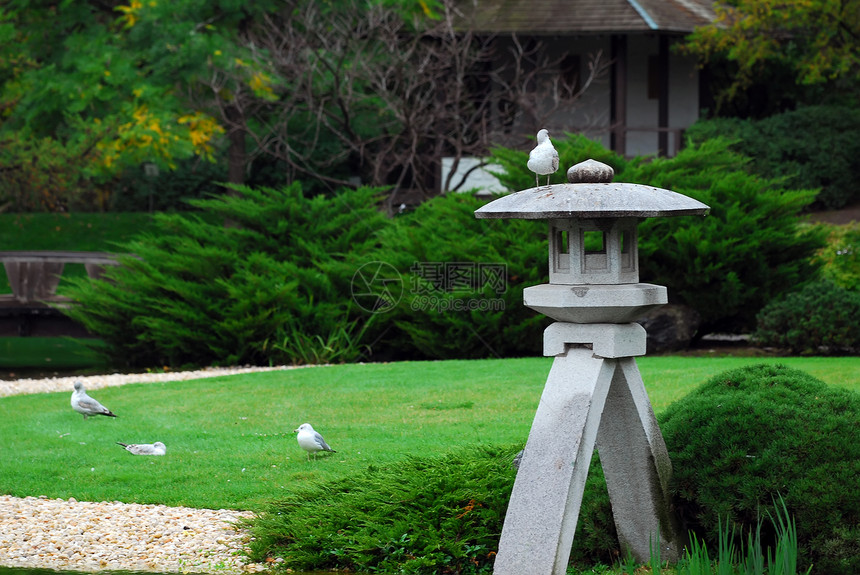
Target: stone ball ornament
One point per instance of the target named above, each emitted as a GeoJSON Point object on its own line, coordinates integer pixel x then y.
{"type": "Point", "coordinates": [590, 171]}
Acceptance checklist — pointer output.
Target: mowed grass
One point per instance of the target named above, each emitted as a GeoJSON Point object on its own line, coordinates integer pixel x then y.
{"type": "Point", "coordinates": [64, 353]}
{"type": "Point", "coordinates": [230, 439]}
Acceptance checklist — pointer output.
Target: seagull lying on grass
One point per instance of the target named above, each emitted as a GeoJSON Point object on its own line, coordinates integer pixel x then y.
{"type": "Point", "coordinates": [156, 448]}
{"type": "Point", "coordinates": [543, 159]}
{"type": "Point", "coordinates": [86, 405]}
{"type": "Point", "coordinates": [311, 441]}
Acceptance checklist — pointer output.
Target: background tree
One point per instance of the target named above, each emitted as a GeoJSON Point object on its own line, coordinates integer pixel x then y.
{"type": "Point", "coordinates": [90, 88]}
{"type": "Point", "coordinates": [812, 44]}
{"type": "Point", "coordinates": [379, 91]}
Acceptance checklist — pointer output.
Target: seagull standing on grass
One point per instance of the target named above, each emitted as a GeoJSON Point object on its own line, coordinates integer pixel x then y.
{"type": "Point", "coordinates": [86, 405]}
{"type": "Point", "coordinates": [156, 448]}
{"type": "Point", "coordinates": [311, 441]}
{"type": "Point", "coordinates": [543, 159]}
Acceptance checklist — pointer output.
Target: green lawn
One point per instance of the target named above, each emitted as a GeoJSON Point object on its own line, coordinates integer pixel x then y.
{"type": "Point", "coordinates": [230, 441]}
{"type": "Point", "coordinates": [46, 353]}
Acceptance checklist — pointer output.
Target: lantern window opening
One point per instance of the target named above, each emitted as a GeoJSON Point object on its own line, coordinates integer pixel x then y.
{"type": "Point", "coordinates": [628, 251]}
{"type": "Point", "coordinates": [562, 254]}
{"type": "Point", "coordinates": [594, 241]}
{"type": "Point", "coordinates": [595, 254]}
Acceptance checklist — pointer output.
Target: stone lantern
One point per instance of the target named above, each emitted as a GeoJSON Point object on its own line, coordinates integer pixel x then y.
{"type": "Point", "coordinates": [594, 395]}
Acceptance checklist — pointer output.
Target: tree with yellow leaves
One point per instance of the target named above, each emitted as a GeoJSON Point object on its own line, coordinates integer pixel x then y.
{"type": "Point", "coordinates": [816, 41]}
{"type": "Point", "coordinates": [105, 86]}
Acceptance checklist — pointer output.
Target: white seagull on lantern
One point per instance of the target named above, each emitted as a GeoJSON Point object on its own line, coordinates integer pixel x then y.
{"type": "Point", "coordinates": [543, 159]}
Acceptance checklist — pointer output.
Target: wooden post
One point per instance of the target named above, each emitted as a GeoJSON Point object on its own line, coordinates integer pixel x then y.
{"type": "Point", "coordinates": [663, 97]}
{"type": "Point", "coordinates": [618, 104]}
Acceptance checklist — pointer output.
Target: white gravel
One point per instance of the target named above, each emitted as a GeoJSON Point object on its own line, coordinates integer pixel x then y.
{"type": "Point", "coordinates": [84, 536]}
{"type": "Point", "coordinates": [47, 385]}
{"type": "Point", "coordinates": [97, 536]}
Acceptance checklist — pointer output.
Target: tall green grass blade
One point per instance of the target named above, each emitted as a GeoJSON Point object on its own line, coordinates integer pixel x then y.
{"type": "Point", "coordinates": [726, 552]}
{"type": "Point", "coordinates": [697, 560]}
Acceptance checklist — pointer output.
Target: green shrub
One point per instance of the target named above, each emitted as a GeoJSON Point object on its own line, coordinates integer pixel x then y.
{"type": "Point", "coordinates": [749, 436]}
{"type": "Point", "coordinates": [427, 515]}
{"type": "Point", "coordinates": [136, 191]}
{"type": "Point", "coordinates": [822, 318]}
{"type": "Point", "coordinates": [424, 515]}
{"type": "Point", "coordinates": [279, 285]}
{"type": "Point", "coordinates": [199, 292]}
{"type": "Point", "coordinates": [727, 265]}
{"type": "Point", "coordinates": [812, 147]}
{"type": "Point", "coordinates": [454, 305]}
{"type": "Point", "coordinates": [841, 256]}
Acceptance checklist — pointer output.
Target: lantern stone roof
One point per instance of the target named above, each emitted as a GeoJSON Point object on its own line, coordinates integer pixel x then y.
{"type": "Point", "coordinates": [591, 193]}
{"type": "Point", "coordinates": [592, 200]}
{"type": "Point", "coordinates": [564, 17]}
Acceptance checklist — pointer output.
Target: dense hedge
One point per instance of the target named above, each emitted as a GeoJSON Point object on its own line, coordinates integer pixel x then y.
{"type": "Point", "coordinates": [728, 265]}
{"type": "Point", "coordinates": [272, 285]}
{"type": "Point", "coordinates": [820, 319]}
{"type": "Point", "coordinates": [298, 279]}
{"type": "Point", "coordinates": [424, 515]}
{"type": "Point", "coordinates": [811, 147]}
{"type": "Point", "coordinates": [737, 443]}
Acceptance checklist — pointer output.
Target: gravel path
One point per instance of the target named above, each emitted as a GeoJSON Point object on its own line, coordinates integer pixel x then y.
{"type": "Point", "coordinates": [84, 536]}
{"type": "Point", "coordinates": [89, 536]}
{"type": "Point", "coordinates": [47, 385]}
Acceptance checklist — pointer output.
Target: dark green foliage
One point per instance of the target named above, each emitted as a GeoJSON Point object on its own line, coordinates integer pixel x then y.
{"type": "Point", "coordinates": [444, 317]}
{"type": "Point", "coordinates": [812, 147]}
{"type": "Point", "coordinates": [424, 515]}
{"type": "Point", "coordinates": [821, 318]}
{"type": "Point", "coordinates": [427, 515]}
{"type": "Point", "coordinates": [726, 265]}
{"type": "Point", "coordinates": [278, 284]}
{"type": "Point", "coordinates": [748, 250]}
{"type": "Point", "coordinates": [135, 191]}
{"type": "Point", "coordinates": [200, 292]}
{"type": "Point", "coordinates": [749, 436]}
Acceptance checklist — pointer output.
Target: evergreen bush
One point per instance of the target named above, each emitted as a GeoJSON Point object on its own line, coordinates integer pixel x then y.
{"type": "Point", "coordinates": [421, 516]}
{"type": "Point", "coordinates": [811, 147]}
{"type": "Point", "coordinates": [464, 281]}
{"type": "Point", "coordinates": [200, 292]}
{"type": "Point", "coordinates": [280, 285]}
{"type": "Point", "coordinates": [728, 265]}
{"type": "Point", "coordinates": [820, 319]}
{"type": "Point", "coordinates": [750, 436]}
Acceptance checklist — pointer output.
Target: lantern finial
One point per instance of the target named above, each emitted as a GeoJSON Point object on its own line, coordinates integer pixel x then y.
{"type": "Point", "coordinates": [590, 172]}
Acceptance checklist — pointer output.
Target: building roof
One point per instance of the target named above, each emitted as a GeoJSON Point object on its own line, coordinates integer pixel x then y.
{"type": "Point", "coordinates": [565, 17]}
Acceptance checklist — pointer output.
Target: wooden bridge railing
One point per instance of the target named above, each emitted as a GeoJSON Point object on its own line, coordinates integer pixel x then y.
{"type": "Point", "coordinates": [34, 275]}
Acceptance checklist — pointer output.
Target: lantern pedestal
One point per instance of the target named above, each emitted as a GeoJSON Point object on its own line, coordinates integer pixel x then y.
{"type": "Point", "coordinates": [594, 396]}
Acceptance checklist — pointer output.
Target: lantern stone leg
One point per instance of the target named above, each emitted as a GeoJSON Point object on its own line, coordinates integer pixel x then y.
{"type": "Point", "coordinates": [589, 399]}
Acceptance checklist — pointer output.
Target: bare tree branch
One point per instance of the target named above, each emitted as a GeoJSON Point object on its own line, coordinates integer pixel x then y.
{"type": "Point", "coordinates": [362, 91]}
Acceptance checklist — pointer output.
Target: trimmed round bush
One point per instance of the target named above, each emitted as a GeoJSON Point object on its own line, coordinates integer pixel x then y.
{"type": "Point", "coordinates": [821, 318]}
{"type": "Point", "coordinates": [750, 436]}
